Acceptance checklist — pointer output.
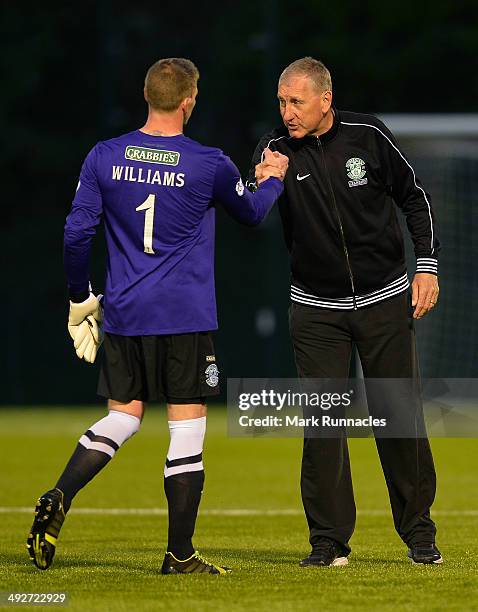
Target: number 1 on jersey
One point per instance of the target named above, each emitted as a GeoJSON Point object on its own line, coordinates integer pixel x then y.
{"type": "Point", "coordinates": [148, 206]}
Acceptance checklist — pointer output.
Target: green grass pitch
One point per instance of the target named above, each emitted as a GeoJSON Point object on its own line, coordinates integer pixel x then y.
{"type": "Point", "coordinates": [109, 561]}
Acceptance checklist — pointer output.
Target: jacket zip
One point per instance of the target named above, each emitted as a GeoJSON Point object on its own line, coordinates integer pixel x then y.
{"type": "Point", "coordinates": [344, 244]}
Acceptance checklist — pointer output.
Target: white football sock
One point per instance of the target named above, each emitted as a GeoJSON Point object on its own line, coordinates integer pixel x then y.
{"type": "Point", "coordinates": [108, 434]}
{"type": "Point", "coordinates": [185, 447]}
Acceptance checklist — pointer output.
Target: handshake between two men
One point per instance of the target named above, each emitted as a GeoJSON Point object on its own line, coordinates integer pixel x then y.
{"type": "Point", "coordinates": [273, 164]}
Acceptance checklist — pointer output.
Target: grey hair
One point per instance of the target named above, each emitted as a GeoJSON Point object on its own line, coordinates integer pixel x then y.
{"type": "Point", "coordinates": [312, 68]}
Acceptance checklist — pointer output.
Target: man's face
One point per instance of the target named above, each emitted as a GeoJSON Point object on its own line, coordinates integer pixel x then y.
{"type": "Point", "coordinates": [189, 105]}
{"type": "Point", "coordinates": [302, 107]}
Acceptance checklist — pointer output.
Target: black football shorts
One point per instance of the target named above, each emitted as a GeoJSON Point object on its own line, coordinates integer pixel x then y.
{"type": "Point", "coordinates": [179, 368]}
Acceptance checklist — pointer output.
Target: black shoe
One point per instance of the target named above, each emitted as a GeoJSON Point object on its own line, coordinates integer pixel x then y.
{"type": "Point", "coordinates": [425, 553]}
{"type": "Point", "coordinates": [325, 552]}
{"type": "Point", "coordinates": [49, 517]}
{"type": "Point", "coordinates": [194, 564]}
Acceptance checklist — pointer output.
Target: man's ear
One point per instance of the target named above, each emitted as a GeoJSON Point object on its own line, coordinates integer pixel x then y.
{"type": "Point", "coordinates": [145, 94]}
{"type": "Point", "coordinates": [326, 99]}
{"type": "Point", "coordinates": [186, 102]}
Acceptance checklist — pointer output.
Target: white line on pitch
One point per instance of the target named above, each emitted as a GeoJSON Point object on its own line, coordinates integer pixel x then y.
{"type": "Point", "coordinates": [218, 512]}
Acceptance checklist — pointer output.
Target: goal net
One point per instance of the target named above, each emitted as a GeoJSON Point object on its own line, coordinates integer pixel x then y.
{"type": "Point", "coordinates": [443, 150]}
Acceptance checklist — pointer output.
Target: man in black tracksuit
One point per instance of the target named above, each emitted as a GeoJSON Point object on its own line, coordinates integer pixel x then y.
{"type": "Point", "coordinates": [349, 286]}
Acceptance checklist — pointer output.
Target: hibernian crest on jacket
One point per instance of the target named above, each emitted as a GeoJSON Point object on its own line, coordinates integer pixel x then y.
{"type": "Point", "coordinates": [356, 171]}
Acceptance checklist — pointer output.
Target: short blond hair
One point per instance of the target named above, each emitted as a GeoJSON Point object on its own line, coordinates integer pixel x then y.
{"type": "Point", "coordinates": [169, 81]}
{"type": "Point", "coordinates": [312, 68]}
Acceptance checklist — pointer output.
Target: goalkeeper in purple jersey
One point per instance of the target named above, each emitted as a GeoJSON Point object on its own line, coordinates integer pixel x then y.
{"type": "Point", "coordinates": [154, 189]}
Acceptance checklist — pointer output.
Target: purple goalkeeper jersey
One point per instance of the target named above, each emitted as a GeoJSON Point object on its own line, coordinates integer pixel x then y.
{"type": "Point", "coordinates": [155, 195]}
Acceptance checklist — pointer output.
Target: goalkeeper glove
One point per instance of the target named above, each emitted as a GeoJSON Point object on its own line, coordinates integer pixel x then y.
{"type": "Point", "coordinates": [85, 327]}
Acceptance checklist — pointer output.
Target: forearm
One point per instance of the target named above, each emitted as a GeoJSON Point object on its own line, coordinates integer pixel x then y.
{"type": "Point", "coordinates": [259, 203]}
{"type": "Point", "coordinates": [245, 207]}
{"type": "Point", "coordinates": [76, 259]}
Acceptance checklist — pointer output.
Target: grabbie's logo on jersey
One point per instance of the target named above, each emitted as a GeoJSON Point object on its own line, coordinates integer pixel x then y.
{"type": "Point", "coordinates": [152, 156]}
{"type": "Point", "coordinates": [356, 171]}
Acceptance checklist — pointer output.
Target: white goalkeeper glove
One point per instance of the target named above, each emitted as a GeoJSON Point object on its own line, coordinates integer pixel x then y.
{"type": "Point", "coordinates": [85, 327]}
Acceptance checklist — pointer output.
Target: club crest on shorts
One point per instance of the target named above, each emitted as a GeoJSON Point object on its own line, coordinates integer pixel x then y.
{"type": "Point", "coordinates": [212, 375]}
{"type": "Point", "coordinates": [356, 171]}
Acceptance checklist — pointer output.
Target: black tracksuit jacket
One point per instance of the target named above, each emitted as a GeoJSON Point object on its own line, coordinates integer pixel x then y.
{"type": "Point", "coordinates": [339, 217]}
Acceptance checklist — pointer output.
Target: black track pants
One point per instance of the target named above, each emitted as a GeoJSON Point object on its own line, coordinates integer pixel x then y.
{"type": "Point", "coordinates": [385, 340]}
